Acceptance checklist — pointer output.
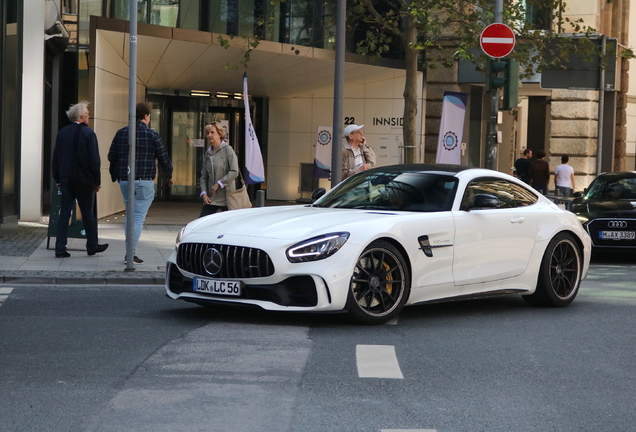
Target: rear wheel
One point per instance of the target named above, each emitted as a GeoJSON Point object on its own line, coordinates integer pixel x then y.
{"type": "Point", "coordinates": [560, 273]}
{"type": "Point", "coordinates": [379, 285]}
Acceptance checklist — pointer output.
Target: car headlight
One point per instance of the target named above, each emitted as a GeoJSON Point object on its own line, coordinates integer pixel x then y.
{"type": "Point", "coordinates": [582, 219]}
{"type": "Point", "coordinates": [177, 241]}
{"type": "Point", "coordinates": [317, 248]}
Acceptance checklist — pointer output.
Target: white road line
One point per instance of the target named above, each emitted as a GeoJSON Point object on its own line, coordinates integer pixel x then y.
{"type": "Point", "coordinates": [393, 321]}
{"type": "Point", "coordinates": [408, 430]}
{"type": "Point", "coordinates": [4, 294]}
{"type": "Point", "coordinates": [377, 361]}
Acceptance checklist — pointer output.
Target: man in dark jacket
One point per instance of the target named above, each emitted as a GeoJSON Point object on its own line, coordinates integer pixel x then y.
{"type": "Point", "coordinates": [540, 173]}
{"type": "Point", "coordinates": [76, 148]}
{"type": "Point", "coordinates": [522, 166]}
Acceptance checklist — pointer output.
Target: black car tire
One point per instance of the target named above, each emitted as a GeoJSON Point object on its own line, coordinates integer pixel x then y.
{"type": "Point", "coordinates": [559, 274]}
{"type": "Point", "coordinates": [380, 284]}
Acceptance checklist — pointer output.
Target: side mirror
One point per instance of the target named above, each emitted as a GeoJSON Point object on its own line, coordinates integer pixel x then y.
{"type": "Point", "coordinates": [484, 201]}
{"type": "Point", "coordinates": [317, 194]}
{"type": "Point", "coordinates": [576, 195]}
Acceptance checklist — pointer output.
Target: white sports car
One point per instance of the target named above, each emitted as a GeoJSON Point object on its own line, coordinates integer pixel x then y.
{"type": "Point", "coordinates": [385, 238]}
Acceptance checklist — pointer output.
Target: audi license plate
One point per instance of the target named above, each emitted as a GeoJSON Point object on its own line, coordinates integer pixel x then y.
{"type": "Point", "coordinates": [618, 235]}
{"type": "Point", "coordinates": [217, 286]}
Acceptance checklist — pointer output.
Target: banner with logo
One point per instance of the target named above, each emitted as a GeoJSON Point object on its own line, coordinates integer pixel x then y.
{"type": "Point", "coordinates": [322, 160]}
{"type": "Point", "coordinates": [451, 128]}
{"type": "Point", "coordinates": [253, 157]}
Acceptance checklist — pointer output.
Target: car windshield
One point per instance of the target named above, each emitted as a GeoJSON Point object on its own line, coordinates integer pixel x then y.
{"type": "Point", "coordinates": [612, 188]}
{"type": "Point", "coordinates": [390, 190]}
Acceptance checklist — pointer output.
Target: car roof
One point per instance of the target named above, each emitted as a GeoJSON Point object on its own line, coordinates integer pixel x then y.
{"type": "Point", "coordinates": [432, 168]}
{"type": "Point", "coordinates": [618, 174]}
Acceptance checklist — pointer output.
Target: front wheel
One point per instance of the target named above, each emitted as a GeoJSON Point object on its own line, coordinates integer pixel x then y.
{"type": "Point", "coordinates": [560, 273]}
{"type": "Point", "coordinates": [379, 285]}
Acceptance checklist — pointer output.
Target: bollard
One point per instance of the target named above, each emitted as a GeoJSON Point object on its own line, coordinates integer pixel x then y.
{"type": "Point", "coordinates": [260, 198]}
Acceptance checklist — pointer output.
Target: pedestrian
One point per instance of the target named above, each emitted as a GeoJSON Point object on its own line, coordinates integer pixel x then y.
{"type": "Point", "coordinates": [564, 177]}
{"type": "Point", "coordinates": [148, 149]}
{"type": "Point", "coordinates": [219, 170]}
{"type": "Point", "coordinates": [540, 173]}
{"type": "Point", "coordinates": [357, 156]}
{"type": "Point", "coordinates": [522, 166]}
{"type": "Point", "coordinates": [76, 150]}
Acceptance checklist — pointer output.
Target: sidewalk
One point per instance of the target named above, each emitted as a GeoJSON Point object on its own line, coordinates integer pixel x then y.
{"type": "Point", "coordinates": [24, 258]}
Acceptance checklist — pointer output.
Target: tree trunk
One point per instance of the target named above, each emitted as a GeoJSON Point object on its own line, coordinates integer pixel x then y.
{"type": "Point", "coordinates": [409, 128]}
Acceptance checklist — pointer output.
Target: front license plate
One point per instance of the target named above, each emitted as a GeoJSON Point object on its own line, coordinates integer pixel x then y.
{"type": "Point", "coordinates": [217, 286]}
{"type": "Point", "coordinates": [618, 235]}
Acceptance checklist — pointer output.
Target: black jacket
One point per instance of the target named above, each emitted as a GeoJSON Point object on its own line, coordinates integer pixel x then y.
{"type": "Point", "coordinates": [87, 155]}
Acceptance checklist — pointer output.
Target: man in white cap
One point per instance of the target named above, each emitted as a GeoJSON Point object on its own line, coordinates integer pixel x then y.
{"type": "Point", "coordinates": [357, 156]}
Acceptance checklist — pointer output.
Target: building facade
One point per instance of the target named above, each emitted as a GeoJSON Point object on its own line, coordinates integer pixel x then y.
{"type": "Point", "coordinates": [10, 95]}
{"type": "Point", "coordinates": [558, 121]}
{"type": "Point", "coordinates": [189, 68]}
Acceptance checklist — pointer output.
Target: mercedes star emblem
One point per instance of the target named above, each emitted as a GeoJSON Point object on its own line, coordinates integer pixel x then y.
{"type": "Point", "coordinates": [212, 261]}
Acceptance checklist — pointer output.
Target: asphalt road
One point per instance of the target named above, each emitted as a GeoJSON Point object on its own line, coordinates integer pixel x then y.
{"type": "Point", "coordinates": [115, 358]}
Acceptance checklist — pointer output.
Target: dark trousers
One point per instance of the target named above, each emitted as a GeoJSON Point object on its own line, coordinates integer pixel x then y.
{"type": "Point", "coordinates": [210, 209]}
{"type": "Point", "coordinates": [87, 206]}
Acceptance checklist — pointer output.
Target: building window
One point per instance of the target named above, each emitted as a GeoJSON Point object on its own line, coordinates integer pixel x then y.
{"type": "Point", "coordinates": [538, 15]}
{"type": "Point", "coordinates": [69, 7]}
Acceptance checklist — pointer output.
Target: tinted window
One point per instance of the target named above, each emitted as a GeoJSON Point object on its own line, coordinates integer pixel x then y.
{"type": "Point", "coordinates": [510, 195]}
{"type": "Point", "coordinates": [390, 190]}
{"type": "Point", "coordinates": [613, 187]}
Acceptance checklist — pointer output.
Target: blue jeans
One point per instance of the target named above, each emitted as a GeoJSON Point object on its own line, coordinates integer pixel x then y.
{"type": "Point", "coordinates": [144, 194]}
{"type": "Point", "coordinates": [565, 191]}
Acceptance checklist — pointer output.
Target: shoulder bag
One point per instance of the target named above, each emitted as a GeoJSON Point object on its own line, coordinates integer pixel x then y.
{"type": "Point", "coordinates": [238, 199]}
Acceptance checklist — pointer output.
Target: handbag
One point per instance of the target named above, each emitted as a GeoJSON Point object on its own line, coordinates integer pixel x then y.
{"type": "Point", "coordinates": [82, 180]}
{"type": "Point", "coordinates": [238, 199]}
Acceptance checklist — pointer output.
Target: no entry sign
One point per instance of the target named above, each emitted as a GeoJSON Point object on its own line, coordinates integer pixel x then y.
{"type": "Point", "coordinates": [497, 40]}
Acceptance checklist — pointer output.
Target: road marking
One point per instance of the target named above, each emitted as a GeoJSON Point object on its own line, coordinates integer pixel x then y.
{"type": "Point", "coordinates": [4, 294]}
{"type": "Point", "coordinates": [377, 361]}
{"type": "Point", "coordinates": [408, 430]}
{"type": "Point", "coordinates": [393, 321]}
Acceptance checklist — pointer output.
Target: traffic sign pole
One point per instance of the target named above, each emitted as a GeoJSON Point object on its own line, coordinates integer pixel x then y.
{"type": "Point", "coordinates": [491, 158]}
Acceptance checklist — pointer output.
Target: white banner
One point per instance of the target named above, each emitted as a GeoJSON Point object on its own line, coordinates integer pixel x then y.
{"type": "Point", "coordinates": [451, 128]}
{"type": "Point", "coordinates": [322, 160]}
{"type": "Point", "coordinates": [253, 156]}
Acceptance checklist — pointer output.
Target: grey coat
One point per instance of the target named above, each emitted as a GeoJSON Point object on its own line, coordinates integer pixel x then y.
{"type": "Point", "coordinates": [220, 165]}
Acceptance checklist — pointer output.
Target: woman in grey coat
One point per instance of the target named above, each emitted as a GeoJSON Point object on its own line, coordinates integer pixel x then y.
{"type": "Point", "coordinates": [220, 168]}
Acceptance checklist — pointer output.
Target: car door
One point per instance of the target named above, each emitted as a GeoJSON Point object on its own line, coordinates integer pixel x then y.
{"type": "Point", "coordinates": [493, 243]}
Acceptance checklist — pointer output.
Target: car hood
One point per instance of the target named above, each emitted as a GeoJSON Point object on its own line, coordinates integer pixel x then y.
{"type": "Point", "coordinates": [605, 208]}
{"type": "Point", "coordinates": [285, 222]}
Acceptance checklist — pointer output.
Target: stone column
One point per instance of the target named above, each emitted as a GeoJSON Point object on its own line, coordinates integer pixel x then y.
{"type": "Point", "coordinates": [573, 131]}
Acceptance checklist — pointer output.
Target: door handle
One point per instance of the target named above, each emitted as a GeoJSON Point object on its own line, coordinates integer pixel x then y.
{"type": "Point", "coordinates": [518, 220]}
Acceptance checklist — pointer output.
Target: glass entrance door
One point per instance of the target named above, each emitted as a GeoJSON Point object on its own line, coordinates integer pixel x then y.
{"type": "Point", "coordinates": [180, 122]}
{"type": "Point", "coordinates": [189, 145]}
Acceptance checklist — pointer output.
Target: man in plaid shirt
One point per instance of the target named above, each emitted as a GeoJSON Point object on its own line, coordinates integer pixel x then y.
{"type": "Point", "coordinates": [148, 150]}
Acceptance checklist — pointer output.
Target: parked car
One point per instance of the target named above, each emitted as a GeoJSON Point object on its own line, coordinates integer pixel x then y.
{"type": "Point", "coordinates": [607, 210]}
{"type": "Point", "coordinates": [385, 238]}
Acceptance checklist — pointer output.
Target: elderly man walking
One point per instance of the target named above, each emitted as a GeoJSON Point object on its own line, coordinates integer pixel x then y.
{"type": "Point", "coordinates": [76, 151]}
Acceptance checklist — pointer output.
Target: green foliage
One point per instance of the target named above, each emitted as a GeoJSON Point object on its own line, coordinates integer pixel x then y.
{"type": "Point", "coordinates": [449, 30]}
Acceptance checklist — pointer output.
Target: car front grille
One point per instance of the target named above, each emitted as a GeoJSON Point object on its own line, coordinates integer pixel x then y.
{"type": "Point", "coordinates": [597, 226]}
{"type": "Point", "coordinates": [237, 262]}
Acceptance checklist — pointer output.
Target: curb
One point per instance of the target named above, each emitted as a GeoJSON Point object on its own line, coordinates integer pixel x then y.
{"type": "Point", "coordinates": [31, 279]}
